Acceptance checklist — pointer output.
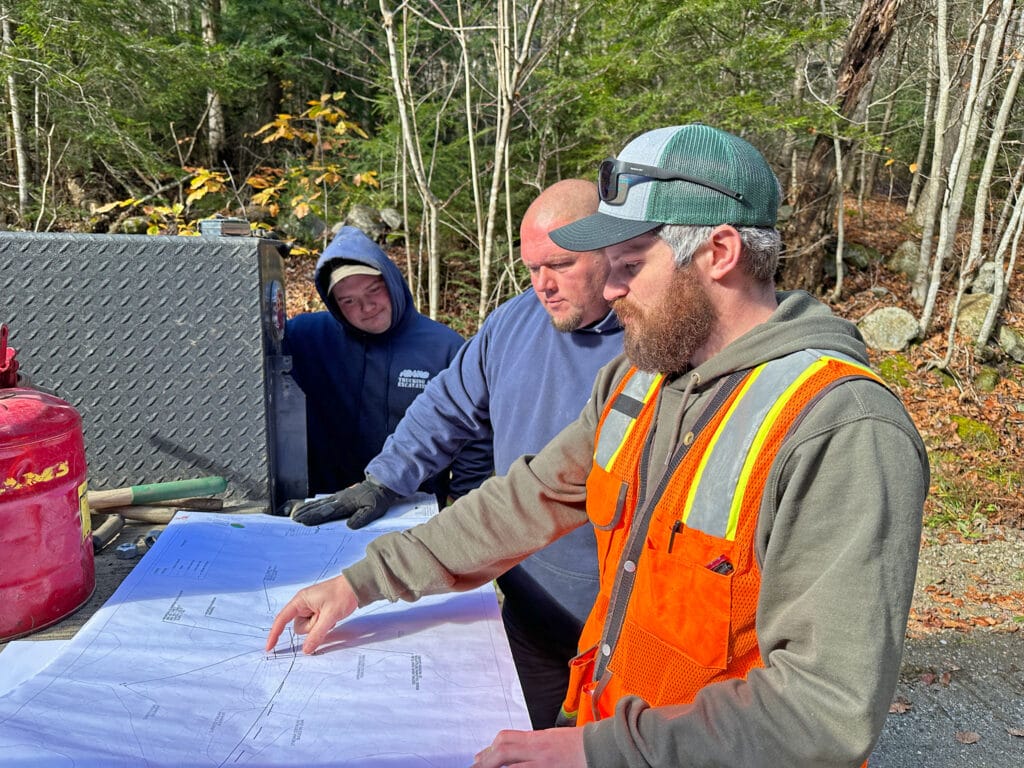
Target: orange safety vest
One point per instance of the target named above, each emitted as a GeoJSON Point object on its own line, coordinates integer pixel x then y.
{"type": "Point", "coordinates": [679, 582]}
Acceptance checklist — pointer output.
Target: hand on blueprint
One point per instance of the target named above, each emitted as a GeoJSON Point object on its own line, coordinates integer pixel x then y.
{"type": "Point", "coordinates": [552, 748]}
{"type": "Point", "coordinates": [315, 610]}
{"type": "Point", "coordinates": [361, 503]}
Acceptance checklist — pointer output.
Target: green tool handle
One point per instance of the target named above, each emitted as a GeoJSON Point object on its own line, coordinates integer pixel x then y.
{"type": "Point", "coordinates": [177, 489]}
{"type": "Point", "coordinates": [151, 492]}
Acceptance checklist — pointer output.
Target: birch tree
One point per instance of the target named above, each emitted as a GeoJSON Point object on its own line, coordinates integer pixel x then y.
{"type": "Point", "coordinates": [982, 76]}
{"type": "Point", "coordinates": [973, 258]}
{"type": "Point", "coordinates": [491, 99]}
{"type": "Point", "coordinates": [411, 151]}
{"type": "Point", "coordinates": [1009, 242]}
{"type": "Point", "coordinates": [216, 129]}
{"type": "Point", "coordinates": [936, 177]}
{"type": "Point", "coordinates": [17, 125]}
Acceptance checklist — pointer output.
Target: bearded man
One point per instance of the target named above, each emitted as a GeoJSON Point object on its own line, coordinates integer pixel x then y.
{"type": "Point", "coordinates": [755, 490]}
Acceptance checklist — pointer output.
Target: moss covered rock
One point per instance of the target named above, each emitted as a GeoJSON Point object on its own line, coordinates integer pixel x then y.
{"type": "Point", "coordinates": [976, 434]}
{"type": "Point", "coordinates": [896, 370]}
{"type": "Point", "coordinates": [986, 380]}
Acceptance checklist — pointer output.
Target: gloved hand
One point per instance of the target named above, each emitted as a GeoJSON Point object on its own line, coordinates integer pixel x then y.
{"type": "Point", "coordinates": [361, 503]}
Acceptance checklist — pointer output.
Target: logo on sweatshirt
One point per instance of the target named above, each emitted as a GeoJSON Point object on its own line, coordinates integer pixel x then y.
{"type": "Point", "coordinates": [410, 379]}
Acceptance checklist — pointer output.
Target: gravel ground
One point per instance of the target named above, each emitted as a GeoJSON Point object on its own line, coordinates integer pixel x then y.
{"type": "Point", "coordinates": [960, 697]}
{"type": "Point", "coordinates": [970, 585]}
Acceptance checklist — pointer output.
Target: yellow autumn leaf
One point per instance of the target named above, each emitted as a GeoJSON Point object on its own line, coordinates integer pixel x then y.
{"type": "Point", "coordinates": [912, 167]}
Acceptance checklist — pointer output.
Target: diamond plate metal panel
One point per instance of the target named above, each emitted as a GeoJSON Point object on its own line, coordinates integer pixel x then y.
{"type": "Point", "coordinates": [159, 342]}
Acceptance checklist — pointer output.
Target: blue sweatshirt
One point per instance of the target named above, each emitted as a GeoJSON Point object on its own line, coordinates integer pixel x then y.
{"type": "Point", "coordinates": [359, 385]}
{"type": "Point", "coordinates": [517, 382]}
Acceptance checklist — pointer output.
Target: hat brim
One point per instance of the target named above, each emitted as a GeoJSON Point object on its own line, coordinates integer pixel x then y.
{"type": "Point", "coordinates": [599, 230]}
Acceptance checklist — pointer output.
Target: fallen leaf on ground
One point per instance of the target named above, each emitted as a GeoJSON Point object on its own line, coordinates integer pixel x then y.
{"type": "Point", "coordinates": [1011, 731]}
{"type": "Point", "coordinates": [899, 706]}
{"type": "Point", "coordinates": [968, 737]}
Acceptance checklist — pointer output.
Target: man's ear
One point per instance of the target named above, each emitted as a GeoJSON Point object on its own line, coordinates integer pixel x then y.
{"type": "Point", "coordinates": [726, 247]}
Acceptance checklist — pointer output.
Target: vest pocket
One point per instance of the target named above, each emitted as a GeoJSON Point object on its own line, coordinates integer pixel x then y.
{"type": "Point", "coordinates": [606, 499]}
{"type": "Point", "coordinates": [686, 595]}
{"type": "Point", "coordinates": [581, 671]}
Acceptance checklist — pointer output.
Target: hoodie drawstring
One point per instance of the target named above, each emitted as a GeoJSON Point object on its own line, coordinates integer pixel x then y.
{"type": "Point", "coordinates": [692, 383]}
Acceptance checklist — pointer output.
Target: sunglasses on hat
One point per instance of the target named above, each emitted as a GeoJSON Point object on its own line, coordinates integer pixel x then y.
{"type": "Point", "coordinates": [614, 193]}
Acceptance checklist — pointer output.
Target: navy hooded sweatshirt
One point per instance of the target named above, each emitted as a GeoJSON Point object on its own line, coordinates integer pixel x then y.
{"type": "Point", "coordinates": [358, 385]}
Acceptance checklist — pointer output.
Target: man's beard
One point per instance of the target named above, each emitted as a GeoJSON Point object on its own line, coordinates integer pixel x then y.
{"type": "Point", "coordinates": [664, 339]}
{"type": "Point", "coordinates": [569, 323]}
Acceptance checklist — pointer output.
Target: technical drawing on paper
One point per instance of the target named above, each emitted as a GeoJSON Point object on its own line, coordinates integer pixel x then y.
{"type": "Point", "coordinates": [172, 670]}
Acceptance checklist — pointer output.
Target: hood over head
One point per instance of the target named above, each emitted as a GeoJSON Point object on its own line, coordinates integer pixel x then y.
{"type": "Point", "coordinates": [353, 248]}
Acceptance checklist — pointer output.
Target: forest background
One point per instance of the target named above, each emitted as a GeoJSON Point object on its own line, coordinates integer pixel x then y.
{"type": "Point", "coordinates": [895, 127]}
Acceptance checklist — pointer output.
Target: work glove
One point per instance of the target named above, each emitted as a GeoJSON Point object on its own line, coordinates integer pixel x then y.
{"type": "Point", "coordinates": [361, 503]}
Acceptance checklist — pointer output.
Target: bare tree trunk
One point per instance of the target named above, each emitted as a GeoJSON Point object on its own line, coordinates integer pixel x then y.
{"type": "Point", "coordinates": [17, 128]}
{"type": "Point", "coordinates": [797, 94]}
{"type": "Point", "coordinates": [209, 15]}
{"type": "Point", "coordinates": [431, 205]}
{"type": "Point", "coordinates": [936, 175]}
{"type": "Point", "coordinates": [982, 72]}
{"type": "Point", "coordinates": [1008, 203]}
{"type": "Point", "coordinates": [512, 55]}
{"type": "Point", "coordinates": [840, 217]}
{"type": "Point", "coordinates": [812, 220]}
{"type": "Point", "coordinates": [474, 167]}
{"type": "Point", "coordinates": [1001, 287]}
{"type": "Point", "coordinates": [871, 172]}
{"type": "Point", "coordinates": [926, 129]}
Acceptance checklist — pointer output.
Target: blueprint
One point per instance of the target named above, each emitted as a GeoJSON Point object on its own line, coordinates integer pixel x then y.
{"type": "Point", "coordinates": [21, 659]}
{"type": "Point", "coordinates": [172, 671]}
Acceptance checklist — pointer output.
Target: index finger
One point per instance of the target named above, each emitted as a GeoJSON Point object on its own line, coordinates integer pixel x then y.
{"type": "Point", "coordinates": [289, 612]}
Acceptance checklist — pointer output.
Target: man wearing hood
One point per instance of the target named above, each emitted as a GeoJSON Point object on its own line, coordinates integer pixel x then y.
{"type": "Point", "coordinates": [362, 362]}
{"type": "Point", "coordinates": [755, 490]}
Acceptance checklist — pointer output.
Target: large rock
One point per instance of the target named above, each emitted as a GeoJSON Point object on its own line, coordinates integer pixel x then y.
{"type": "Point", "coordinates": [890, 329]}
{"type": "Point", "coordinates": [855, 256]}
{"type": "Point", "coordinates": [1012, 342]}
{"type": "Point", "coordinates": [392, 217]}
{"type": "Point", "coordinates": [973, 308]}
{"type": "Point", "coordinates": [860, 256]}
{"type": "Point", "coordinates": [904, 261]}
{"type": "Point", "coordinates": [376, 224]}
{"type": "Point", "coordinates": [985, 280]}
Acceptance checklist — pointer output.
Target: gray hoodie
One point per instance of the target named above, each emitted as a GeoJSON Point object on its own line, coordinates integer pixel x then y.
{"type": "Point", "coordinates": [837, 540]}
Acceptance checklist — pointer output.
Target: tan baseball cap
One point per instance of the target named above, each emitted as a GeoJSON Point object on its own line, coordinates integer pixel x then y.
{"type": "Point", "coordinates": [348, 270]}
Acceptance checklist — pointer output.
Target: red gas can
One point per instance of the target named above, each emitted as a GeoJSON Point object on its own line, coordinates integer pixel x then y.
{"type": "Point", "coordinates": [46, 561]}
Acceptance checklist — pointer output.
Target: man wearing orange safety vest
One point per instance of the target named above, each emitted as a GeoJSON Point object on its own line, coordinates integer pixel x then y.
{"type": "Point", "coordinates": [755, 490]}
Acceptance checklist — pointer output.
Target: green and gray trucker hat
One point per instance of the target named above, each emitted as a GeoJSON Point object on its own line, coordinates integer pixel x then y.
{"type": "Point", "coordinates": [684, 174]}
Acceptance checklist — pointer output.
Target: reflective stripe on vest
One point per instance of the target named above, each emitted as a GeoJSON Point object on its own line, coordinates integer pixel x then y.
{"type": "Point", "coordinates": [664, 648]}
{"type": "Point", "coordinates": [620, 419]}
{"type": "Point", "coordinates": [735, 448]}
